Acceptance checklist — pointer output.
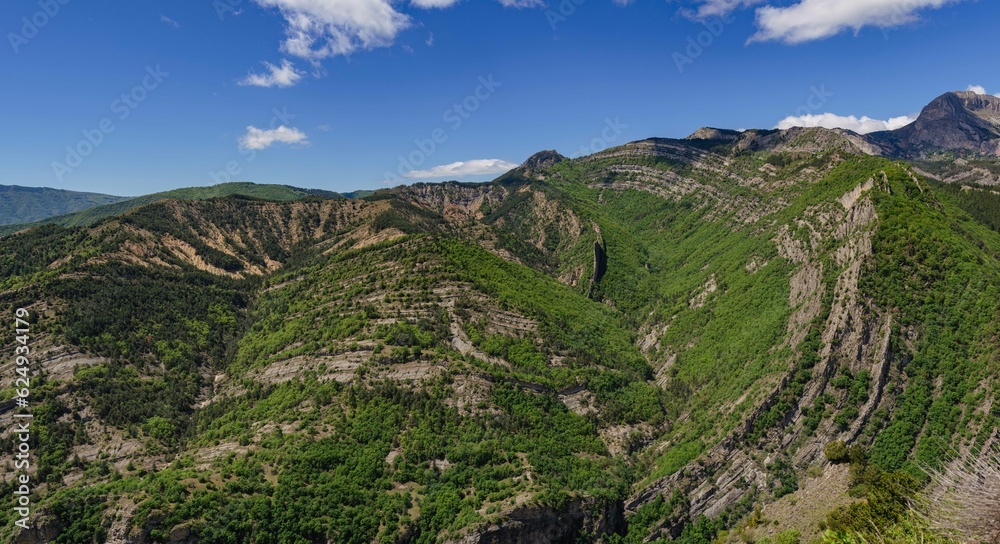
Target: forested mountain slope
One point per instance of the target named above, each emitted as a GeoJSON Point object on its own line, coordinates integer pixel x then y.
{"type": "Point", "coordinates": [650, 343]}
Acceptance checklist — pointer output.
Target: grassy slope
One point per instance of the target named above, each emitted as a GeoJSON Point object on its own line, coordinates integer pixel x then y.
{"type": "Point", "coordinates": [661, 254]}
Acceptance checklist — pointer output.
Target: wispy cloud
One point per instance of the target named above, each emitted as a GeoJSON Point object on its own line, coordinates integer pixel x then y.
{"type": "Point", "coordinates": [429, 4]}
{"type": "Point", "coordinates": [277, 76]}
{"type": "Point", "coordinates": [861, 125]}
{"type": "Point", "coordinates": [258, 139]}
{"type": "Point", "coordinates": [477, 167]}
{"type": "Point", "coordinates": [167, 20]}
{"type": "Point", "coordinates": [320, 29]}
{"type": "Point", "coordinates": [811, 20]}
{"type": "Point", "coordinates": [807, 20]}
{"type": "Point", "coordinates": [521, 4]}
{"type": "Point", "coordinates": [717, 8]}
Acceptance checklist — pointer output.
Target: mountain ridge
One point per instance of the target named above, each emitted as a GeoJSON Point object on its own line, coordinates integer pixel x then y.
{"type": "Point", "coordinates": [958, 121]}
{"type": "Point", "coordinates": [93, 214]}
{"type": "Point", "coordinates": [961, 121]}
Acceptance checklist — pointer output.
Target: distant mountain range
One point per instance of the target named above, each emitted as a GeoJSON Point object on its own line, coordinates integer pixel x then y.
{"type": "Point", "coordinates": [29, 204]}
{"type": "Point", "coordinates": [956, 138]}
{"type": "Point", "coordinates": [955, 124]}
{"type": "Point", "coordinates": [71, 209]}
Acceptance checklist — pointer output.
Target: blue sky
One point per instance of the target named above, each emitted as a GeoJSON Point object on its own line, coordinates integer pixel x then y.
{"type": "Point", "coordinates": [159, 94]}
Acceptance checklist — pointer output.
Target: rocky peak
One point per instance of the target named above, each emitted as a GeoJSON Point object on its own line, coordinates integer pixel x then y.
{"type": "Point", "coordinates": [536, 165]}
{"type": "Point", "coordinates": [955, 121]}
{"type": "Point", "coordinates": [542, 160]}
{"type": "Point", "coordinates": [709, 133]}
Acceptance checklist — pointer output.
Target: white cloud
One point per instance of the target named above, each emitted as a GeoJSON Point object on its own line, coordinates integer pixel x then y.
{"type": "Point", "coordinates": [810, 20]}
{"type": "Point", "coordinates": [429, 4]}
{"type": "Point", "coordinates": [464, 168]}
{"type": "Point", "coordinates": [798, 21]}
{"type": "Point", "coordinates": [717, 8]}
{"type": "Point", "coordinates": [258, 139]}
{"type": "Point", "coordinates": [279, 76]}
{"type": "Point", "coordinates": [320, 29]}
{"type": "Point", "coordinates": [522, 3]}
{"type": "Point", "coordinates": [862, 125]}
{"type": "Point", "coordinates": [979, 89]}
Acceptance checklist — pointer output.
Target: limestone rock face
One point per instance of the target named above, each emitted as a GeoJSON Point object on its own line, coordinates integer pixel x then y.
{"type": "Point", "coordinates": [984, 106]}
{"type": "Point", "coordinates": [709, 133]}
{"type": "Point", "coordinates": [43, 529]}
{"type": "Point", "coordinates": [588, 519]}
